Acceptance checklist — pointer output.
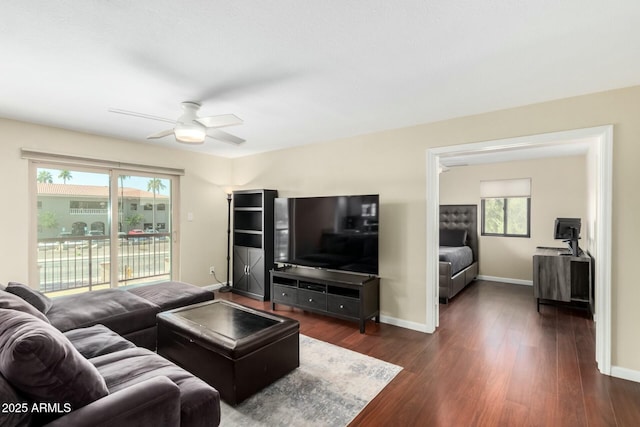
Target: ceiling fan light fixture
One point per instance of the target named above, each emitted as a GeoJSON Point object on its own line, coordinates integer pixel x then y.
{"type": "Point", "coordinates": [190, 134]}
{"type": "Point", "coordinates": [191, 129]}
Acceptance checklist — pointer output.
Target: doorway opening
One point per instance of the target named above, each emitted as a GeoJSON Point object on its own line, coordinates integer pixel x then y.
{"type": "Point", "coordinates": [600, 162]}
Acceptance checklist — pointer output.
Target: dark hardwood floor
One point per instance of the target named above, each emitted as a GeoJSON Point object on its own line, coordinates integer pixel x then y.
{"type": "Point", "coordinates": [494, 361]}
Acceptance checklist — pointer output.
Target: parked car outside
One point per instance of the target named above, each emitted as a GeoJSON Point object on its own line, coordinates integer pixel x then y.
{"type": "Point", "coordinates": [136, 232]}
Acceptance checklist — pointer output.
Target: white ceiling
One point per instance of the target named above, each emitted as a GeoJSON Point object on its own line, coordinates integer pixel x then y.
{"type": "Point", "coordinates": [300, 72]}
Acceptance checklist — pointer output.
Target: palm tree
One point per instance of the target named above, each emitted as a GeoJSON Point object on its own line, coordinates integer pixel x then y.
{"type": "Point", "coordinates": [155, 185]}
{"type": "Point", "coordinates": [44, 176]}
{"type": "Point", "coordinates": [65, 175]}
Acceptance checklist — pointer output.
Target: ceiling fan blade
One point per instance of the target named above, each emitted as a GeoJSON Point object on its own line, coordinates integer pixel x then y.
{"type": "Point", "coordinates": [141, 115]}
{"type": "Point", "coordinates": [220, 121]}
{"type": "Point", "coordinates": [224, 136]}
{"type": "Point", "coordinates": [161, 134]}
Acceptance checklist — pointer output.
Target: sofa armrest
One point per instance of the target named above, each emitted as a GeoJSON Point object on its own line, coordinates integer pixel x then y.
{"type": "Point", "coordinates": [153, 402]}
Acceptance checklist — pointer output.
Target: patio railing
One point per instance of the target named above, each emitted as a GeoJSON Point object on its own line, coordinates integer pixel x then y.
{"type": "Point", "coordinates": [85, 261]}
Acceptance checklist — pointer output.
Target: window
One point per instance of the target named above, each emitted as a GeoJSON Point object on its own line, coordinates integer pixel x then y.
{"type": "Point", "coordinates": [505, 208]}
{"type": "Point", "coordinates": [506, 217]}
{"type": "Point", "coordinates": [76, 248]}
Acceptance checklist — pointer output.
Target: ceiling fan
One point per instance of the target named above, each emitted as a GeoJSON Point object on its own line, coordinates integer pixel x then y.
{"type": "Point", "coordinates": [191, 129]}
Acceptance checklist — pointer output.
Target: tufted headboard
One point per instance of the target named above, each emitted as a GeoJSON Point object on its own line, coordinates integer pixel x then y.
{"type": "Point", "coordinates": [462, 217]}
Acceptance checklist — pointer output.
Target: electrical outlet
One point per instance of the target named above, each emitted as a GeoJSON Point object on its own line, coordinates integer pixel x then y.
{"type": "Point", "coordinates": [212, 270]}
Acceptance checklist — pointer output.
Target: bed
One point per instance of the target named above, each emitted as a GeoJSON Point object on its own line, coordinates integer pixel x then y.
{"type": "Point", "coordinates": [458, 249]}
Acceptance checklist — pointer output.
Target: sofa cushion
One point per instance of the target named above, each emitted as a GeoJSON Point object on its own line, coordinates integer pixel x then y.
{"type": "Point", "coordinates": [97, 340]}
{"type": "Point", "coordinates": [199, 402]}
{"type": "Point", "coordinates": [118, 310]}
{"type": "Point", "coordinates": [37, 299]}
{"type": "Point", "coordinates": [20, 417]}
{"type": "Point", "coordinates": [13, 302]}
{"type": "Point", "coordinates": [42, 364]}
{"type": "Point", "coordinates": [170, 295]}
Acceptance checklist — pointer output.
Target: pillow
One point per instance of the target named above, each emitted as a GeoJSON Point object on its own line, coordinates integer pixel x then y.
{"type": "Point", "coordinates": [14, 302]}
{"type": "Point", "coordinates": [33, 297]}
{"type": "Point", "coordinates": [42, 364]}
{"type": "Point", "coordinates": [453, 237]}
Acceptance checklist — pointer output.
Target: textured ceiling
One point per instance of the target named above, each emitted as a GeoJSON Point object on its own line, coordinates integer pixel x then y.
{"type": "Point", "coordinates": [299, 72]}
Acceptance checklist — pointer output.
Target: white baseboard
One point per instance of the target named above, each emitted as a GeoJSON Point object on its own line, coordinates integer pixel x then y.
{"type": "Point", "coordinates": [506, 280]}
{"type": "Point", "coordinates": [625, 374]}
{"type": "Point", "coordinates": [420, 327]}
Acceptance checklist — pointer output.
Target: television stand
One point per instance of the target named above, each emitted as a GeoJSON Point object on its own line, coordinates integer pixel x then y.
{"type": "Point", "coordinates": [337, 294]}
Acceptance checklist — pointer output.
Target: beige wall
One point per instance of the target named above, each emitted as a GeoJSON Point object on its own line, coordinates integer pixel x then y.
{"type": "Point", "coordinates": [203, 240]}
{"type": "Point", "coordinates": [393, 164]}
{"type": "Point", "coordinates": [554, 193]}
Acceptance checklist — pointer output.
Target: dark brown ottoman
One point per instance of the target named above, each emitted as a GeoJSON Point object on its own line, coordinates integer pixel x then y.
{"type": "Point", "coordinates": [236, 349]}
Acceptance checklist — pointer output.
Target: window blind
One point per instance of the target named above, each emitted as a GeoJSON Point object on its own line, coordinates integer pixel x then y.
{"type": "Point", "coordinates": [65, 159]}
{"type": "Point", "coordinates": [505, 188]}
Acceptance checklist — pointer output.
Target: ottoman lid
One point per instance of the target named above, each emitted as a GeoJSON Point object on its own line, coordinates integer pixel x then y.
{"type": "Point", "coordinates": [228, 328]}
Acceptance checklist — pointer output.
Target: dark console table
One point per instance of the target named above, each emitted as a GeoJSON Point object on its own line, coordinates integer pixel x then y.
{"type": "Point", "coordinates": [343, 295]}
{"type": "Point", "coordinates": [558, 276]}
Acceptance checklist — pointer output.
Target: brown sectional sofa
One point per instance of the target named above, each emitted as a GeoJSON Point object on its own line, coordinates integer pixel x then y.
{"type": "Point", "coordinates": [75, 362]}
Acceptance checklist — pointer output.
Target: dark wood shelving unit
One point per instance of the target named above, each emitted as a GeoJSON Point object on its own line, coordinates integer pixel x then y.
{"type": "Point", "coordinates": [253, 242]}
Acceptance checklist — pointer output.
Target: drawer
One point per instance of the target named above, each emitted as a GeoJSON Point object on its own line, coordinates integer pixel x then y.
{"type": "Point", "coordinates": [311, 299]}
{"type": "Point", "coordinates": [284, 294]}
{"type": "Point", "coordinates": [344, 306]}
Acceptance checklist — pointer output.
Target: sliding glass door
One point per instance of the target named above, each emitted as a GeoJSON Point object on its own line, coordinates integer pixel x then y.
{"type": "Point", "coordinates": [101, 228]}
{"type": "Point", "coordinates": [144, 229]}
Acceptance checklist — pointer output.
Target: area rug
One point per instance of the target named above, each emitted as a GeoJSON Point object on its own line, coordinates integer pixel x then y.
{"type": "Point", "coordinates": [331, 386]}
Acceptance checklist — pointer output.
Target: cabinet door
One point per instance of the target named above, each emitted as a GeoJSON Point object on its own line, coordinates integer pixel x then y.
{"type": "Point", "coordinates": [240, 271]}
{"type": "Point", "coordinates": [255, 278]}
{"type": "Point", "coordinates": [552, 278]}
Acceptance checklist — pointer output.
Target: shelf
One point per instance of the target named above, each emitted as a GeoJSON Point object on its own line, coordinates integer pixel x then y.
{"type": "Point", "coordinates": [248, 231]}
{"type": "Point", "coordinates": [248, 200]}
{"type": "Point", "coordinates": [248, 220]}
{"type": "Point", "coordinates": [247, 239]}
{"type": "Point", "coordinates": [248, 209]}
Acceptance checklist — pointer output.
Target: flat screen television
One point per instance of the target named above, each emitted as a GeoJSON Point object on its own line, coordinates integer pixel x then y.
{"type": "Point", "coordinates": [333, 233]}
